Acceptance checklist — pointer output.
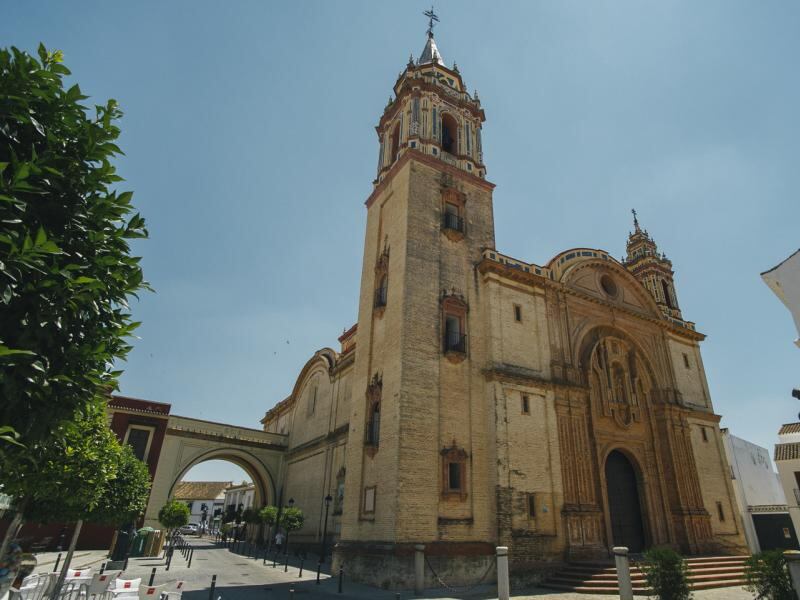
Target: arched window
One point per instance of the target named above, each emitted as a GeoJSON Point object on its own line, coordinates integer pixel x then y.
{"type": "Point", "coordinates": [395, 142]}
{"type": "Point", "coordinates": [374, 432]}
{"type": "Point", "coordinates": [667, 296]}
{"type": "Point", "coordinates": [449, 134]}
{"type": "Point", "coordinates": [381, 291]}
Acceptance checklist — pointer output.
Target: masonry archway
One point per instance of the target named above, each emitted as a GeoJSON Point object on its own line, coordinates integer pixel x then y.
{"type": "Point", "coordinates": [190, 442]}
{"type": "Point", "coordinates": [259, 474]}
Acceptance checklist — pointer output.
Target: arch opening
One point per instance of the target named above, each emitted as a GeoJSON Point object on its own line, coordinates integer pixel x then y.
{"type": "Point", "coordinates": [394, 142]}
{"type": "Point", "coordinates": [449, 134]}
{"type": "Point", "coordinates": [624, 503]}
{"type": "Point", "coordinates": [252, 487]}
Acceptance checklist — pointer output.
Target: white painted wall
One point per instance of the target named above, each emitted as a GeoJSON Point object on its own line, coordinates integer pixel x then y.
{"type": "Point", "coordinates": [755, 482]}
{"type": "Point", "coordinates": [784, 280]}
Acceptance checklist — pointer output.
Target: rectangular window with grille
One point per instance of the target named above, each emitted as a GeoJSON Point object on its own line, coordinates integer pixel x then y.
{"type": "Point", "coordinates": [454, 476]}
{"type": "Point", "coordinates": [139, 441]}
{"type": "Point", "coordinates": [531, 506]}
{"type": "Point", "coordinates": [720, 512]}
{"type": "Point", "coordinates": [518, 313]}
{"type": "Point", "coordinates": [526, 404]}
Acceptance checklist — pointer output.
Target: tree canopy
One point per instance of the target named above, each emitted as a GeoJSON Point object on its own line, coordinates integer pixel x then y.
{"type": "Point", "coordinates": [174, 514]}
{"type": "Point", "coordinates": [66, 269]}
{"type": "Point", "coordinates": [292, 518]}
{"type": "Point", "coordinates": [268, 515]}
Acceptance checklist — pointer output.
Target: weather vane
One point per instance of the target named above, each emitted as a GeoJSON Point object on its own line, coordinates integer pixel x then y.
{"type": "Point", "coordinates": [635, 220]}
{"type": "Point", "coordinates": [432, 20]}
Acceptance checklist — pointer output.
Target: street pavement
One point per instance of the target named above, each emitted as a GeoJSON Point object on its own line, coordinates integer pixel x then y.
{"type": "Point", "coordinates": [243, 578]}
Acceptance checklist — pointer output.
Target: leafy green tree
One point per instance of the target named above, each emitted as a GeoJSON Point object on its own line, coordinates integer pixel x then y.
{"type": "Point", "coordinates": [63, 478]}
{"type": "Point", "coordinates": [66, 270]}
{"type": "Point", "coordinates": [268, 516]}
{"type": "Point", "coordinates": [125, 497]}
{"type": "Point", "coordinates": [292, 519]}
{"type": "Point", "coordinates": [173, 515]}
{"type": "Point", "coordinates": [768, 577]}
{"type": "Point", "coordinates": [666, 574]}
{"type": "Point", "coordinates": [250, 517]}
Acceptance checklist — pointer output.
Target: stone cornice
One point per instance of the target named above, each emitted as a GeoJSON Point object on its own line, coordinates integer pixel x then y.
{"type": "Point", "coordinates": [431, 161]}
{"type": "Point", "coordinates": [323, 440]}
{"type": "Point", "coordinates": [508, 374]}
{"type": "Point", "coordinates": [211, 437]}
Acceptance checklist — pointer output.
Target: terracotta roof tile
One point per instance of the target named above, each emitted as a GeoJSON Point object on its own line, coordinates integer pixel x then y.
{"type": "Point", "coordinates": [200, 490]}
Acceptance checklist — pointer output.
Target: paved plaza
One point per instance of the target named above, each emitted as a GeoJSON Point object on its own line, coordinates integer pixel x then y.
{"type": "Point", "coordinates": [242, 578]}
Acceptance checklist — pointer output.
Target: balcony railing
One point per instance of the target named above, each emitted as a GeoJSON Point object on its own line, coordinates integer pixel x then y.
{"type": "Point", "coordinates": [380, 297]}
{"type": "Point", "coordinates": [454, 222]}
{"type": "Point", "coordinates": [455, 342]}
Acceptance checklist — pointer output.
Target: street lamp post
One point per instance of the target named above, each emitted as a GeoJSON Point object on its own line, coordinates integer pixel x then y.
{"type": "Point", "coordinates": [291, 503]}
{"type": "Point", "coordinates": [328, 501]}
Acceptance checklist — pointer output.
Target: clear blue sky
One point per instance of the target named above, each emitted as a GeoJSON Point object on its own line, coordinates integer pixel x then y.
{"type": "Point", "coordinates": [250, 147]}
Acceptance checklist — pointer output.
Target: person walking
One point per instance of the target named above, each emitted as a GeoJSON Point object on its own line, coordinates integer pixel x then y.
{"type": "Point", "coordinates": [279, 541]}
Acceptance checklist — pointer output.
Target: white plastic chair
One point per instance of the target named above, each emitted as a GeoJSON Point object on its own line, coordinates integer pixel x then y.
{"type": "Point", "coordinates": [151, 592]}
{"type": "Point", "coordinates": [126, 588]}
{"type": "Point", "coordinates": [79, 574]}
{"type": "Point", "coordinates": [176, 592]}
{"type": "Point", "coordinates": [100, 584]}
{"type": "Point", "coordinates": [72, 590]}
{"type": "Point", "coordinates": [35, 587]}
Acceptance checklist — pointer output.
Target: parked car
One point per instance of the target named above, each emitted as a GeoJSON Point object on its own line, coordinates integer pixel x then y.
{"type": "Point", "coordinates": [191, 528]}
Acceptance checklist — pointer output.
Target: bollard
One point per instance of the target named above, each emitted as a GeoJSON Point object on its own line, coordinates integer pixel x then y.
{"type": "Point", "coordinates": [191, 555]}
{"type": "Point", "coordinates": [102, 568]}
{"type": "Point", "coordinates": [170, 551]}
{"type": "Point", "coordinates": [300, 574]}
{"type": "Point", "coordinates": [623, 573]}
{"type": "Point", "coordinates": [319, 566]}
{"type": "Point", "coordinates": [793, 562]}
{"type": "Point", "coordinates": [419, 569]}
{"type": "Point", "coordinates": [502, 573]}
{"type": "Point", "coordinates": [58, 560]}
{"type": "Point", "coordinates": [213, 585]}
{"type": "Point", "coordinates": [125, 566]}
{"type": "Point", "coordinates": [341, 577]}
{"type": "Point", "coordinates": [274, 560]}
{"type": "Point", "coordinates": [286, 566]}
{"type": "Point", "coordinates": [265, 558]}
{"type": "Point", "coordinates": [152, 577]}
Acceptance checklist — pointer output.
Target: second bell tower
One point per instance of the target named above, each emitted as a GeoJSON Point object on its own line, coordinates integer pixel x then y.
{"type": "Point", "coordinates": [419, 456]}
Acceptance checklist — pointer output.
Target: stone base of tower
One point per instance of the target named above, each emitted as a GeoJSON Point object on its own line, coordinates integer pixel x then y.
{"type": "Point", "coordinates": [391, 566]}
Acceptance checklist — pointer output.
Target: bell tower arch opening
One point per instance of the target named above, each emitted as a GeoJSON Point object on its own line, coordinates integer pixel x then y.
{"type": "Point", "coordinates": [624, 503]}
{"type": "Point", "coordinates": [449, 134]}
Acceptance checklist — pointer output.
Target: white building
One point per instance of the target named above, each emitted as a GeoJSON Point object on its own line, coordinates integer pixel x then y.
{"type": "Point", "coordinates": [198, 494]}
{"type": "Point", "coordinates": [787, 459]}
{"type": "Point", "coordinates": [240, 495]}
{"type": "Point", "coordinates": [759, 495]}
{"type": "Point", "coordinates": [784, 280]}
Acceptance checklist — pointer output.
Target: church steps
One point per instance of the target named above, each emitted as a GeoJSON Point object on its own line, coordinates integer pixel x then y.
{"type": "Point", "coordinates": [706, 572]}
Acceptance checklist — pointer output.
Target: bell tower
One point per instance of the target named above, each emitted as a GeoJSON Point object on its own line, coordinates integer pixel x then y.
{"type": "Point", "coordinates": [417, 467]}
{"type": "Point", "coordinates": [431, 112]}
{"type": "Point", "coordinates": [654, 270]}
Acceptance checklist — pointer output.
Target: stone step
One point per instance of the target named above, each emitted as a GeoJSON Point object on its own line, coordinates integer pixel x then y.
{"type": "Point", "coordinates": [705, 572]}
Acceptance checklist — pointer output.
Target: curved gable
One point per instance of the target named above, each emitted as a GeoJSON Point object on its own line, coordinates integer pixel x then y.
{"type": "Point", "coordinates": [605, 279]}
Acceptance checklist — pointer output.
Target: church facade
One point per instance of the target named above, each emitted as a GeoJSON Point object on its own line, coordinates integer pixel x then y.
{"type": "Point", "coordinates": [480, 400]}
